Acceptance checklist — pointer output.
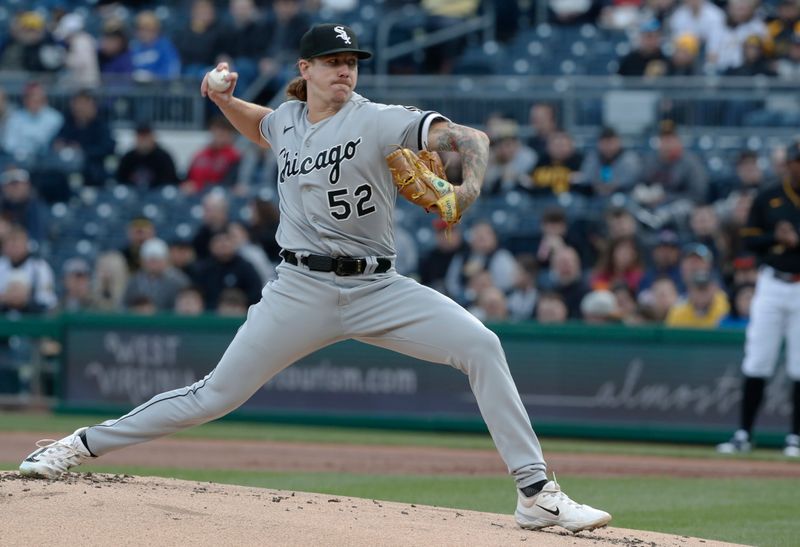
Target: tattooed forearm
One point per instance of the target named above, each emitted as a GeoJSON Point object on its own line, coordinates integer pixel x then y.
{"type": "Point", "coordinates": [473, 147]}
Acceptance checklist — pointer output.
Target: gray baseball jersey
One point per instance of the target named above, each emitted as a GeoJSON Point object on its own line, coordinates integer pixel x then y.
{"type": "Point", "coordinates": [336, 193]}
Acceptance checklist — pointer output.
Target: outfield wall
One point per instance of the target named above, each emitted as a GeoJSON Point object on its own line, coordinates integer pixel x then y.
{"type": "Point", "coordinates": [576, 380]}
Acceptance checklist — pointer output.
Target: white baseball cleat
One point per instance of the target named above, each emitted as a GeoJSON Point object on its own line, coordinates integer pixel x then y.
{"type": "Point", "coordinates": [53, 458]}
{"type": "Point", "coordinates": [739, 444]}
{"type": "Point", "coordinates": [552, 507]}
{"type": "Point", "coordinates": [792, 447]}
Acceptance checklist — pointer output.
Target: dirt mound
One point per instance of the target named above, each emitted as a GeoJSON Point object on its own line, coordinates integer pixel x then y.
{"type": "Point", "coordinates": [98, 509]}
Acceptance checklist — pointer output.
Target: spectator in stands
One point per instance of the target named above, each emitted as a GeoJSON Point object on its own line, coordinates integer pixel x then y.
{"type": "Point", "coordinates": [573, 12]}
{"type": "Point", "coordinates": [407, 260]}
{"type": "Point", "coordinates": [140, 229]}
{"type": "Point", "coordinates": [225, 269]}
{"type": "Point", "coordinates": [551, 309]}
{"type": "Point", "coordinates": [705, 228]}
{"type": "Point", "coordinates": [788, 67]}
{"type": "Point", "coordinates": [704, 307]}
{"type": "Point", "coordinates": [478, 281]}
{"type": "Point", "coordinates": [88, 135]}
{"type": "Point", "coordinates": [627, 304]}
{"type": "Point", "coordinates": [157, 278]}
{"type": "Point", "coordinates": [142, 305]}
{"type": "Point", "coordinates": [20, 205]}
{"type": "Point", "coordinates": [647, 59]}
{"type": "Point", "coordinates": [665, 257]}
{"type": "Point", "coordinates": [745, 270]}
{"type": "Point", "coordinates": [154, 56]}
{"type": "Point", "coordinates": [232, 303]}
{"type": "Point", "coordinates": [110, 280]}
{"type": "Point", "coordinates": [251, 252]}
{"type": "Point", "coordinates": [543, 122]}
{"type": "Point", "coordinates": [555, 229]}
{"type": "Point", "coordinates": [754, 60]}
{"type": "Point", "coordinates": [621, 263]}
{"type": "Point", "coordinates": [523, 295]}
{"type": "Point", "coordinates": [724, 46]}
{"type": "Point", "coordinates": [147, 164]}
{"type": "Point", "coordinates": [558, 168]}
{"type": "Point", "coordinates": [77, 280]}
{"type": "Point", "coordinates": [439, 15]}
{"type": "Point", "coordinates": [491, 306]}
{"type": "Point", "coordinates": [659, 10]}
{"type": "Point", "coordinates": [565, 277]}
{"type": "Point", "coordinates": [609, 168]}
{"type": "Point", "coordinates": [182, 255]}
{"type": "Point", "coordinates": [659, 300]}
{"type": "Point", "coordinates": [510, 160]}
{"type": "Point", "coordinates": [28, 47]}
{"type": "Point", "coordinates": [749, 177]}
{"type": "Point", "coordinates": [741, 299]}
{"type": "Point", "coordinates": [81, 66]}
{"type": "Point", "coordinates": [683, 61]}
{"type": "Point", "coordinates": [434, 265]}
{"type": "Point", "coordinates": [698, 18]}
{"type": "Point", "coordinates": [114, 54]}
{"type": "Point", "coordinates": [484, 253]}
{"type": "Point", "coordinates": [189, 301]}
{"type": "Point", "coordinates": [30, 129]}
{"type": "Point", "coordinates": [198, 41]}
{"type": "Point", "coordinates": [599, 307]}
{"type": "Point", "coordinates": [217, 162]}
{"type": "Point", "coordinates": [619, 222]}
{"type": "Point", "coordinates": [216, 217]}
{"type": "Point", "coordinates": [287, 20]}
{"type": "Point", "coordinates": [696, 258]}
{"type": "Point", "coordinates": [17, 257]}
{"type": "Point", "coordinates": [17, 297]}
{"type": "Point", "coordinates": [263, 226]}
{"type": "Point", "coordinates": [6, 109]}
{"type": "Point", "coordinates": [783, 27]}
{"type": "Point", "coordinates": [672, 179]}
{"type": "Point", "coordinates": [241, 41]}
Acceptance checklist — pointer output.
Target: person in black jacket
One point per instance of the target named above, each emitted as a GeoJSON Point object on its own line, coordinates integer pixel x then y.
{"type": "Point", "coordinates": [88, 133]}
{"type": "Point", "coordinates": [647, 59]}
{"type": "Point", "coordinates": [773, 233]}
{"type": "Point", "coordinates": [225, 269]}
{"type": "Point", "coordinates": [147, 165]}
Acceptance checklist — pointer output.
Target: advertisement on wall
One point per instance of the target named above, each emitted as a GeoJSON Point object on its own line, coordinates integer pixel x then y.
{"type": "Point", "coordinates": [592, 380]}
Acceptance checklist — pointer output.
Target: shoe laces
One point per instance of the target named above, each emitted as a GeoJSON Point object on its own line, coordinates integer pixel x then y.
{"type": "Point", "coordinates": [555, 493]}
{"type": "Point", "coordinates": [59, 447]}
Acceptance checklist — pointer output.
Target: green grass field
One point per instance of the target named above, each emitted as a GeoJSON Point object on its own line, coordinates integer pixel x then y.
{"type": "Point", "coordinates": [750, 511]}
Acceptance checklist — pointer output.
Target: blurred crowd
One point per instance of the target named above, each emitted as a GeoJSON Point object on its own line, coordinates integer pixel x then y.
{"type": "Point", "coordinates": [661, 246]}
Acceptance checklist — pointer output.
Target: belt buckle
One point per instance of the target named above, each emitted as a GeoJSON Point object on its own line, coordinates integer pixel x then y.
{"type": "Point", "coordinates": [355, 266]}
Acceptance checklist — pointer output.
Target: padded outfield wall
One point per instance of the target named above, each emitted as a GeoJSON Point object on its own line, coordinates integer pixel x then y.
{"type": "Point", "coordinates": [575, 380]}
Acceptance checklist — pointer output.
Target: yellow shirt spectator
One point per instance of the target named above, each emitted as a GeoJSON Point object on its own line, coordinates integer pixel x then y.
{"type": "Point", "coordinates": [704, 307]}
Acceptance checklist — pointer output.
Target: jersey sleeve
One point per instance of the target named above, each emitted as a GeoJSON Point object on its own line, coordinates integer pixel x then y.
{"type": "Point", "coordinates": [265, 127]}
{"type": "Point", "coordinates": [405, 126]}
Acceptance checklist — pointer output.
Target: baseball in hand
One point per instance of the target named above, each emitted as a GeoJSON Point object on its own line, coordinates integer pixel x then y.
{"type": "Point", "coordinates": [217, 80]}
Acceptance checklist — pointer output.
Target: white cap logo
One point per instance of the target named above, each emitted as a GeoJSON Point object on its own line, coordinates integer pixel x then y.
{"type": "Point", "coordinates": [341, 33]}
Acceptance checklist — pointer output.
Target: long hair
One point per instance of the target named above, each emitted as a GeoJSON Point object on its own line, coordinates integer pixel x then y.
{"type": "Point", "coordinates": [297, 89]}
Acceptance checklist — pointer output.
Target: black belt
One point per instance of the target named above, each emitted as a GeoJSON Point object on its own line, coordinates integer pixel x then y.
{"type": "Point", "coordinates": [340, 265]}
{"type": "Point", "coordinates": [786, 276]}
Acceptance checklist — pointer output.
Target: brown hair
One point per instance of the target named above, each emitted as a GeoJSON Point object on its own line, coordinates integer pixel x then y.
{"type": "Point", "coordinates": [297, 89]}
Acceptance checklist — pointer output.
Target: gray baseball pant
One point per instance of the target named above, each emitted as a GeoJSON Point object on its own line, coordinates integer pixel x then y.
{"type": "Point", "coordinates": [303, 311]}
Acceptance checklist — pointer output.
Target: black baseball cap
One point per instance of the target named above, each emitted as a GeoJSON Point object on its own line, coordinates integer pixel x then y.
{"type": "Point", "coordinates": [328, 39]}
{"type": "Point", "coordinates": [793, 152]}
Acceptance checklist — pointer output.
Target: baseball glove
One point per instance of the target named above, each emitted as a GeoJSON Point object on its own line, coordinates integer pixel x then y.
{"type": "Point", "coordinates": [420, 178]}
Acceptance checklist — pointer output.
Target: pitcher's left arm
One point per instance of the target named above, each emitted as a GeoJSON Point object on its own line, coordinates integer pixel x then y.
{"type": "Point", "coordinates": [473, 147]}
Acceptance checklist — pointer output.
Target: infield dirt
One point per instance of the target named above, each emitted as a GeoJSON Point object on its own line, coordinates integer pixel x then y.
{"type": "Point", "coordinates": [98, 509]}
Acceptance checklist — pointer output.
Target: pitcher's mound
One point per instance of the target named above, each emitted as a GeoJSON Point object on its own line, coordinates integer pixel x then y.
{"type": "Point", "coordinates": [99, 509]}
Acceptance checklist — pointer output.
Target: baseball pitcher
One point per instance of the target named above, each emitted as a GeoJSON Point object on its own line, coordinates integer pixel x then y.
{"type": "Point", "coordinates": [342, 162]}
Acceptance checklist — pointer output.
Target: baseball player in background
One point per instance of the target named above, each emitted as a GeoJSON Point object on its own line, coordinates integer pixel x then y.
{"type": "Point", "coordinates": [337, 280]}
{"type": "Point", "coordinates": [772, 232]}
